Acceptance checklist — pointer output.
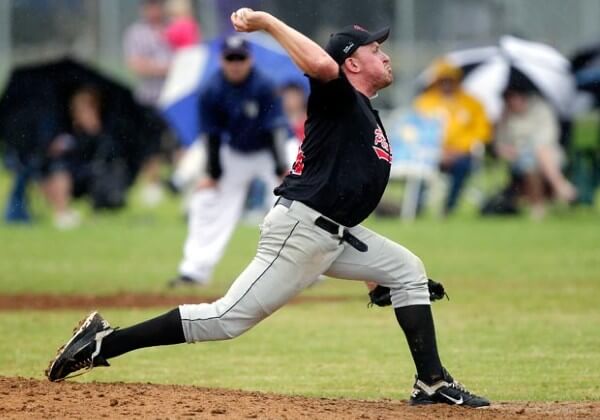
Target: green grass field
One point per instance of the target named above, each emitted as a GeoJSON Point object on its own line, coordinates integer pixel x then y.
{"type": "Point", "coordinates": [523, 322]}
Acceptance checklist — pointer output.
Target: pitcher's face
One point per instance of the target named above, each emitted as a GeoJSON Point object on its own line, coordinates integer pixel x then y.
{"type": "Point", "coordinates": [375, 65]}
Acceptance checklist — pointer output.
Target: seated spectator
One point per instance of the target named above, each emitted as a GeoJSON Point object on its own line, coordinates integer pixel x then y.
{"type": "Point", "coordinates": [465, 123]}
{"type": "Point", "coordinates": [183, 29]}
{"type": "Point", "coordinates": [85, 160]}
{"type": "Point", "coordinates": [528, 139]}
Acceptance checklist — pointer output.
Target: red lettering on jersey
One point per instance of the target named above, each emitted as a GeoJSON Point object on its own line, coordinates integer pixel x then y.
{"type": "Point", "coordinates": [380, 139]}
{"type": "Point", "coordinates": [382, 154]}
{"type": "Point", "coordinates": [381, 146]}
{"type": "Point", "coordinates": [298, 165]}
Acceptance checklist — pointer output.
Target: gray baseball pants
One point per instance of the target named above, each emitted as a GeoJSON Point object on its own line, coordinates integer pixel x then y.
{"type": "Point", "coordinates": [292, 253]}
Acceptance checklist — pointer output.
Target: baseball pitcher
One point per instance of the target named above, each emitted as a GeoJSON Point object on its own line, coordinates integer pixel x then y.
{"type": "Point", "coordinates": [337, 180]}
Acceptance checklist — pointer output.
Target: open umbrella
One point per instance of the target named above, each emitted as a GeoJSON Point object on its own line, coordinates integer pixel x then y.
{"type": "Point", "coordinates": [34, 109]}
{"type": "Point", "coordinates": [34, 106]}
{"type": "Point", "coordinates": [193, 66]}
{"type": "Point", "coordinates": [488, 70]}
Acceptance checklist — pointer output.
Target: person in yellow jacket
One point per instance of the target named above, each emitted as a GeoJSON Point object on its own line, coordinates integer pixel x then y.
{"type": "Point", "coordinates": [465, 123]}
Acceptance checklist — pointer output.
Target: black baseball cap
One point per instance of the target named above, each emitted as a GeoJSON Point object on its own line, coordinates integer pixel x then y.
{"type": "Point", "coordinates": [342, 44]}
{"type": "Point", "coordinates": [235, 46]}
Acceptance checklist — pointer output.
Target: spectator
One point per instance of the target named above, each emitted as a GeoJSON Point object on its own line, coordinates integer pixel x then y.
{"type": "Point", "coordinates": [148, 55]}
{"type": "Point", "coordinates": [294, 99]}
{"type": "Point", "coordinates": [77, 160]}
{"type": "Point", "coordinates": [182, 30]}
{"type": "Point", "coordinates": [528, 138]}
{"type": "Point", "coordinates": [294, 106]}
{"type": "Point", "coordinates": [466, 126]}
{"type": "Point", "coordinates": [245, 131]}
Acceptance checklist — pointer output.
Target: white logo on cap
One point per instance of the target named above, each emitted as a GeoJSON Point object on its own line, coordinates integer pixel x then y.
{"type": "Point", "coordinates": [235, 41]}
{"type": "Point", "coordinates": [348, 47]}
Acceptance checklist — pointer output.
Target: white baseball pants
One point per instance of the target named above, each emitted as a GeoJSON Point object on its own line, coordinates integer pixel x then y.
{"type": "Point", "coordinates": [292, 253]}
{"type": "Point", "coordinates": [214, 213]}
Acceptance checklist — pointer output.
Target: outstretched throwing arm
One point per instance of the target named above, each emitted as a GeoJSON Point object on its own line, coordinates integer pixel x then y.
{"type": "Point", "coordinates": [307, 54]}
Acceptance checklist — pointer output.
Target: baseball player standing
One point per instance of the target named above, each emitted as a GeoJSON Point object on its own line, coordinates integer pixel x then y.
{"type": "Point", "coordinates": [338, 178]}
{"type": "Point", "coordinates": [246, 131]}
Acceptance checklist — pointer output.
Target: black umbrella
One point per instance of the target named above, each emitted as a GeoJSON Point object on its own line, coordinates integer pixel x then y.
{"type": "Point", "coordinates": [586, 67]}
{"type": "Point", "coordinates": [34, 109]}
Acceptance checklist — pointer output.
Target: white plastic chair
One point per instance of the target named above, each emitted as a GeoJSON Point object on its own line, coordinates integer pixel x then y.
{"type": "Point", "coordinates": [416, 148]}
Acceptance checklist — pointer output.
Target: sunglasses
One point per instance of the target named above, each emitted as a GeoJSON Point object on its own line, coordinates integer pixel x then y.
{"type": "Point", "coordinates": [235, 57]}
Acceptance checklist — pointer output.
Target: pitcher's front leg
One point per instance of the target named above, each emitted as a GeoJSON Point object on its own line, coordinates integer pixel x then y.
{"type": "Point", "coordinates": [289, 259]}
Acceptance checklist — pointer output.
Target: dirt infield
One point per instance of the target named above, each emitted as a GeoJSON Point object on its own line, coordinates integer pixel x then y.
{"type": "Point", "coordinates": [32, 398]}
{"type": "Point", "coordinates": [122, 300]}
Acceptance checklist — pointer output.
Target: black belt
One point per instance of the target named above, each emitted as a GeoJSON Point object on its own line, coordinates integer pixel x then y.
{"type": "Point", "coordinates": [331, 227]}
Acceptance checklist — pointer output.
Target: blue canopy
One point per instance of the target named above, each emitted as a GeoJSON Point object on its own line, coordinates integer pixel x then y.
{"type": "Point", "coordinates": [193, 66]}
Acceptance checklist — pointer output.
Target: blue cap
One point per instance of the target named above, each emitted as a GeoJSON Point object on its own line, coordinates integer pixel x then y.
{"type": "Point", "coordinates": [235, 45]}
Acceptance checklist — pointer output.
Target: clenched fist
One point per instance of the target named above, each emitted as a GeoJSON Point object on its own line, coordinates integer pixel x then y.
{"type": "Point", "coordinates": [248, 20]}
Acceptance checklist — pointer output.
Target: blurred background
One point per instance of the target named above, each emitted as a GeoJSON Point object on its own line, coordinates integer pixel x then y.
{"type": "Point", "coordinates": [92, 30]}
{"type": "Point", "coordinates": [549, 49]}
{"type": "Point", "coordinates": [494, 123]}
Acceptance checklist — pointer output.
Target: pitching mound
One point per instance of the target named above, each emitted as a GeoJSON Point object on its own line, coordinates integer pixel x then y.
{"type": "Point", "coordinates": [31, 398]}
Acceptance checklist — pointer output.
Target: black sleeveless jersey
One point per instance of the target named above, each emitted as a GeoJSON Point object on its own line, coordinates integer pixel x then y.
{"type": "Point", "coordinates": [343, 164]}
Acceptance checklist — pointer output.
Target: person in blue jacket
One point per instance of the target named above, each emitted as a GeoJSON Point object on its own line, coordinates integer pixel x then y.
{"type": "Point", "coordinates": [245, 131]}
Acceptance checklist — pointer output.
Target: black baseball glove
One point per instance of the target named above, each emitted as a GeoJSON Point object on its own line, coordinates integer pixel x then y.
{"type": "Point", "coordinates": [436, 290]}
{"type": "Point", "coordinates": [380, 295]}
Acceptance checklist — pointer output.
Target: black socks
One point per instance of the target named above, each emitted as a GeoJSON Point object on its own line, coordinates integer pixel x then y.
{"type": "Point", "coordinates": [417, 323]}
{"type": "Point", "coordinates": [160, 331]}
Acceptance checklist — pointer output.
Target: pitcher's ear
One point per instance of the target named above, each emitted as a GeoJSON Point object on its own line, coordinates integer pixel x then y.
{"type": "Point", "coordinates": [351, 65]}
